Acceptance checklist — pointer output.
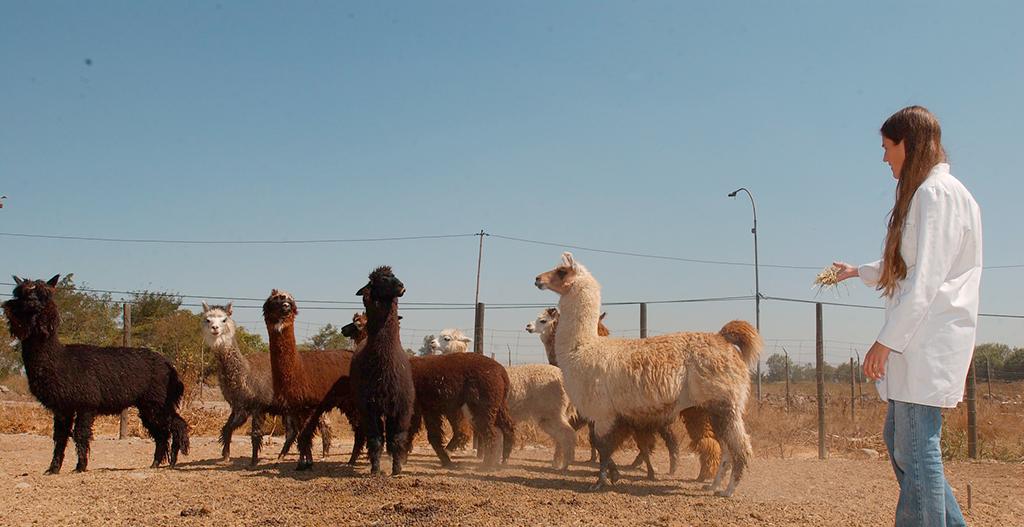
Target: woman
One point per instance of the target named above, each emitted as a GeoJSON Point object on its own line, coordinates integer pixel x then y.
{"type": "Point", "coordinates": [929, 273]}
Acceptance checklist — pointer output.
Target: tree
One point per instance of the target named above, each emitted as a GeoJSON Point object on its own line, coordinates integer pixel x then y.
{"type": "Point", "coordinates": [86, 318]}
{"type": "Point", "coordinates": [328, 338]}
{"type": "Point", "coordinates": [1013, 367]}
{"type": "Point", "coordinates": [777, 367]}
{"type": "Point", "coordinates": [10, 357]}
{"type": "Point", "coordinates": [995, 353]}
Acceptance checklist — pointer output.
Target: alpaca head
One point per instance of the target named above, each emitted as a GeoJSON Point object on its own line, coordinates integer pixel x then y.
{"type": "Point", "coordinates": [602, 330]}
{"type": "Point", "coordinates": [545, 322]}
{"type": "Point", "coordinates": [279, 310]}
{"type": "Point", "coordinates": [562, 278]}
{"type": "Point", "coordinates": [356, 330]}
{"type": "Point", "coordinates": [31, 311]}
{"type": "Point", "coordinates": [453, 341]}
{"type": "Point", "coordinates": [382, 288]}
{"type": "Point", "coordinates": [434, 345]}
{"type": "Point", "coordinates": [218, 327]}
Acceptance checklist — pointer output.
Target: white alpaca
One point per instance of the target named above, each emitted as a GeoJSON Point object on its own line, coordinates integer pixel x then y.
{"type": "Point", "coordinates": [647, 382]}
{"type": "Point", "coordinates": [536, 393]}
{"type": "Point", "coordinates": [453, 341]}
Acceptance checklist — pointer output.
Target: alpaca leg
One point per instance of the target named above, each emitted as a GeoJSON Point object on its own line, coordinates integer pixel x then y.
{"type": "Point", "coordinates": [555, 433]}
{"type": "Point", "coordinates": [435, 435]}
{"type": "Point", "coordinates": [61, 431]}
{"type": "Point", "coordinates": [374, 441]}
{"type": "Point", "coordinates": [179, 437]}
{"type": "Point", "coordinates": [703, 441]}
{"type": "Point", "coordinates": [325, 434]}
{"type": "Point", "coordinates": [567, 437]}
{"type": "Point", "coordinates": [256, 436]}
{"type": "Point", "coordinates": [672, 445]}
{"type": "Point", "coordinates": [592, 437]}
{"type": "Point", "coordinates": [737, 442]}
{"type": "Point", "coordinates": [645, 443]}
{"type": "Point", "coordinates": [292, 425]}
{"type": "Point", "coordinates": [359, 441]}
{"type": "Point", "coordinates": [460, 432]}
{"type": "Point", "coordinates": [508, 433]}
{"type": "Point", "coordinates": [235, 419]}
{"type": "Point", "coordinates": [305, 442]}
{"type": "Point", "coordinates": [608, 439]}
{"type": "Point", "coordinates": [483, 427]}
{"type": "Point", "coordinates": [397, 430]}
{"type": "Point", "coordinates": [83, 435]}
{"type": "Point", "coordinates": [723, 468]}
{"type": "Point", "coordinates": [156, 424]}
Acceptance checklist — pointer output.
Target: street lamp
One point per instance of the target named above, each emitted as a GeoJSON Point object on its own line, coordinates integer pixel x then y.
{"type": "Point", "coordinates": [757, 281]}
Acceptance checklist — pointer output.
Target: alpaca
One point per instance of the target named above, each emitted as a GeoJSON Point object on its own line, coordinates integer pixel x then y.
{"type": "Point", "coordinates": [536, 393]}
{"type": "Point", "coordinates": [647, 382]}
{"type": "Point", "coordinates": [245, 382]}
{"type": "Point", "coordinates": [447, 383]}
{"type": "Point", "coordinates": [77, 382]}
{"type": "Point", "coordinates": [381, 375]}
{"type": "Point", "coordinates": [300, 380]}
{"type": "Point", "coordinates": [452, 340]}
{"type": "Point", "coordinates": [697, 421]}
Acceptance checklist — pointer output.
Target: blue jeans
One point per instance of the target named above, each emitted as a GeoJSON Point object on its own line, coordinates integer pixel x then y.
{"type": "Point", "coordinates": [912, 433]}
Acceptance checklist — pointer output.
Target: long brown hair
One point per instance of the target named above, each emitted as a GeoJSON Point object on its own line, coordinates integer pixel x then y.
{"type": "Point", "coordinates": [919, 131]}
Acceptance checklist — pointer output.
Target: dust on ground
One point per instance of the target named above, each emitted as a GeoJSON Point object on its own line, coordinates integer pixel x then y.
{"type": "Point", "coordinates": [119, 489]}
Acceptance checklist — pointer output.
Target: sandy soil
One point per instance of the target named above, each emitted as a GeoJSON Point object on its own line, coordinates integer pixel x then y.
{"type": "Point", "coordinates": [119, 490]}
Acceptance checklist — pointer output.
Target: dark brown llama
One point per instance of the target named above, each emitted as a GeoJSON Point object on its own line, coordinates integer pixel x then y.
{"type": "Point", "coordinates": [381, 376]}
{"type": "Point", "coordinates": [77, 382]}
{"type": "Point", "coordinates": [300, 380]}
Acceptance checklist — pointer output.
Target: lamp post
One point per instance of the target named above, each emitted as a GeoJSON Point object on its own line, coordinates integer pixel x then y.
{"type": "Point", "coordinates": [757, 281]}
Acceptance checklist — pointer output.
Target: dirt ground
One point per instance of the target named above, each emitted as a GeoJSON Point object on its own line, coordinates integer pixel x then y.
{"type": "Point", "coordinates": [118, 489]}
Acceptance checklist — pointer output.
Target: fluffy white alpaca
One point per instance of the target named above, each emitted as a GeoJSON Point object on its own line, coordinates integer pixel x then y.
{"type": "Point", "coordinates": [452, 340]}
{"type": "Point", "coordinates": [646, 382]}
{"type": "Point", "coordinates": [536, 393]}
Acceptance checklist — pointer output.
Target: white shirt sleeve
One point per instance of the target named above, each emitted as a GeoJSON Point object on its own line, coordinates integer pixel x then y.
{"type": "Point", "coordinates": [939, 235]}
{"type": "Point", "coordinates": [870, 273]}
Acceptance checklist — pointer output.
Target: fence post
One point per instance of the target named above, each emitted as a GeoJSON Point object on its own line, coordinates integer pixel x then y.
{"type": "Point", "coordinates": [972, 413]}
{"type": "Point", "coordinates": [478, 329]}
{"type": "Point", "coordinates": [643, 320]}
{"type": "Point", "coordinates": [853, 393]}
{"type": "Point", "coordinates": [126, 341]}
{"type": "Point", "coordinates": [819, 344]}
{"type": "Point", "coordinates": [787, 378]}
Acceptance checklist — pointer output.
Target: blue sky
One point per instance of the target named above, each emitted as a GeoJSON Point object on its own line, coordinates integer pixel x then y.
{"type": "Point", "coordinates": [612, 125]}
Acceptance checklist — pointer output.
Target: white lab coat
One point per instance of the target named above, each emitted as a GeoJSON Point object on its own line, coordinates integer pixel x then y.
{"type": "Point", "coordinates": [932, 319]}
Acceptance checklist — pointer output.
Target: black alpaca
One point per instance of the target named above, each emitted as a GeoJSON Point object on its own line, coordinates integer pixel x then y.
{"type": "Point", "coordinates": [381, 376]}
{"type": "Point", "coordinates": [78, 382]}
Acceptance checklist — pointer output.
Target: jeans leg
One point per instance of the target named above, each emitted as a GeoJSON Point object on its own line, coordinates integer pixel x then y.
{"type": "Point", "coordinates": [888, 435]}
{"type": "Point", "coordinates": [925, 496]}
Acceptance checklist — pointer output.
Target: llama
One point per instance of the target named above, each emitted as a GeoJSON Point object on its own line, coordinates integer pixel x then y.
{"type": "Point", "coordinates": [245, 382]}
{"type": "Point", "coordinates": [77, 382]}
{"type": "Point", "coordinates": [452, 340]}
{"type": "Point", "coordinates": [445, 384]}
{"type": "Point", "coordinates": [647, 382]}
{"type": "Point", "coordinates": [536, 393]}
{"type": "Point", "coordinates": [381, 375]}
{"type": "Point", "coordinates": [696, 420]}
{"type": "Point", "coordinates": [300, 380]}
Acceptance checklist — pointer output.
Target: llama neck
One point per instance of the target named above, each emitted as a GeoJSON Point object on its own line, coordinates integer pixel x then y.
{"type": "Point", "coordinates": [234, 369]}
{"type": "Point", "coordinates": [548, 339]}
{"type": "Point", "coordinates": [285, 367]}
{"type": "Point", "coordinates": [579, 311]}
{"type": "Point", "coordinates": [382, 325]}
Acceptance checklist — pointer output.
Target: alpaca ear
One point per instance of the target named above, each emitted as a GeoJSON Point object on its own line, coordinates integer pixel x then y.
{"type": "Point", "coordinates": [467, 340]}
{"type": "Point", "coordinates": [206, 307]}
{"type": "Point", "coordinates": [552, 311]}
{"type": "Point", "coordinates": [567, 260]}
{"type": "Point", "coordinates": [602, 316]}
{"type": "Point", "coordinates": [17, 281]}
{"type": "Point", "coordinates": [274, 292]}
{"type": "Point", "coordinates": [227, 308]}
{"type": "Point", "coordinates": [363, 290]}
{"type": "Point", "coordinates": [53, 281]}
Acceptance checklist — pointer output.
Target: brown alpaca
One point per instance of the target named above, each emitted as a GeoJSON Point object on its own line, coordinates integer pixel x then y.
{"type": "Point", "coordinates": [300, 380]}
{"type": "Point", "coordinates": [697, 421]}
{"type": "Point", "coordinates": [381, 375]}
{"type": "Point", "coordinates": [446, 383]}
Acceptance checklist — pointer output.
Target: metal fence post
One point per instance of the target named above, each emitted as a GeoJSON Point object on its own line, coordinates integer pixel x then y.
{"type": "Point", "coordinates": [819, 343]}
{"type": "Point", "coordinates": [643, 320]}
{"type": "Point", "coordinates": [972, 413]}
{"type": "Point", "coordinates": [126, 341]}
{"type": "Point", "coordinates": [478, 329]}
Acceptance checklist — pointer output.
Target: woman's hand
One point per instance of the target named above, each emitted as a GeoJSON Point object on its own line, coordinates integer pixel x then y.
{"type": "Point", "coordinates": [874, 361]}
{"type": "Point", "coordinates": [845, 271]}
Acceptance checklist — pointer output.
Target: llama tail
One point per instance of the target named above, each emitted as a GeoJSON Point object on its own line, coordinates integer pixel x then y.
{"type": "Point", "coordinates": [742, 335]}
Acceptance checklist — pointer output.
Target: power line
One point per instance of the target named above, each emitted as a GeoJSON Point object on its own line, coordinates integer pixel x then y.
{"type": "Point", "coordinates": [231, 242]}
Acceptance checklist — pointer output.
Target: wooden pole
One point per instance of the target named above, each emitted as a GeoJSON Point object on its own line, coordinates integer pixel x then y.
{"type": "Point", "coordinates": [478, 329]}
{"type": "Point", "coordinates": [819, 343]}
{"type": "Point", "coordinates": [988, 376]}
{"type": "Point", "coordinates": [972, 413]}
{"type": "Point", "coordinates": [853, 392]}
{"type": "Point", "coordinates": [643, 320]}
{"type": "Point", "coordinates": [126, 341]}
{"type": "Point", "coordinates": [509, 355]}
{"type": "Point", "coordinates": [787, 378]}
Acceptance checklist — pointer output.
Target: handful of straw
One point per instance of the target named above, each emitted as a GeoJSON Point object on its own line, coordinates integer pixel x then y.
{"type": "Point", "coordinates": [828, 277]}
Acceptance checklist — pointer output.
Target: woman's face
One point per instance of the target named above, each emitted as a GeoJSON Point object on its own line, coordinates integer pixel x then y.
{"type": "Point", "coordinates": [895, 154]}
